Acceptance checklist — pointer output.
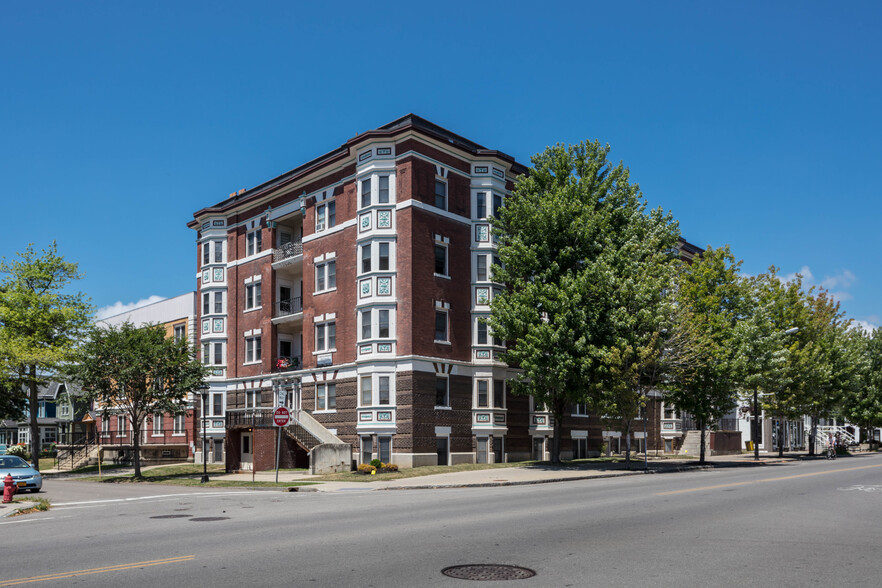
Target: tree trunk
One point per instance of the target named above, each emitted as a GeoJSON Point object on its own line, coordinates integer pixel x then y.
{"type": "Point", "coordinates": [813, 435]}
{"type": "Point", "coordinates": [136, 446]}
{"type": "Point", "coordinates": [628, 445]}
{"type": "Point", "coordinates": [558, 430]}
{"type": "Point", "coordinates": [703, 428]}
{"type": "Point", "coordinates": [34, 403]}
{"type": "Point", "coordinates": [780, 437]}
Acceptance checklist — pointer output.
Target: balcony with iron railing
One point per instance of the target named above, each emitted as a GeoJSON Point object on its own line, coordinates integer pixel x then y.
{"type": "Point", "coordinates": [288, 310]}
{"type": "Point", "coordinates": [288, 254]}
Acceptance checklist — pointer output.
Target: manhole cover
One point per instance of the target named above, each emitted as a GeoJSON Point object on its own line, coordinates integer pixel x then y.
{"type": "Point", "coordinates": [208, 519]}
{"type": "Point", "coordinates": [171, 516]}
{"type": "Point", "coordinates": [488, 572]}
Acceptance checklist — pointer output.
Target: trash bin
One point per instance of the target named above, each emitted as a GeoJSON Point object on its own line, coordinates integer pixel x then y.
{"type": "Point", "coordinates": [749, 445]}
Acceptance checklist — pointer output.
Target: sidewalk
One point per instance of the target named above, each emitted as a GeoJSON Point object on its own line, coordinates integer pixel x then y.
{"type": "Point", "coordinates": [539, 474]}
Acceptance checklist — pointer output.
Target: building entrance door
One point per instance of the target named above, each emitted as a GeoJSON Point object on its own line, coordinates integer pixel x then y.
{"type": "Point", "coordinates": [247, 455]}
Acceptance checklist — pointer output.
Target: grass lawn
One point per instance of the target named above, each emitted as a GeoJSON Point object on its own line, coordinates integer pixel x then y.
{"type": "Point", "coordinates": [188, 475]}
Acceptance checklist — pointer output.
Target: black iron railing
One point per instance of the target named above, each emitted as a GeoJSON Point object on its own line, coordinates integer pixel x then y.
{"type": "Point", "coordinates": [288, 250]}
{"type": "Point", "coordinates": [289, 306]}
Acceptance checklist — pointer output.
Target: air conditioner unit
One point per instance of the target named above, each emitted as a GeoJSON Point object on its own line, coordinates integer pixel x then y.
{"type": "Point", "coordinates": [319, 226]}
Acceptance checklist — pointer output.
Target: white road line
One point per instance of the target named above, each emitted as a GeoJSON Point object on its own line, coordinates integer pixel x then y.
{"type": "Point", "coordinates": [26, 520]}
{"type": "Point", "coordinates": [154, 497]}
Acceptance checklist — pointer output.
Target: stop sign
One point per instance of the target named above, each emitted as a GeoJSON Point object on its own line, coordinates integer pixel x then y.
{"type": "Point", "coordinates": [281, 416]}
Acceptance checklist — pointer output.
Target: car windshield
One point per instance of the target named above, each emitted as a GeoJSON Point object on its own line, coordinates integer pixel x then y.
{"type": "Point", "coordinates": [12, 461]}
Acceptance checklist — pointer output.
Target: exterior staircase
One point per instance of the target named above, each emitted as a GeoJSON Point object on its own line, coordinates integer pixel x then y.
{"type": "Point", "coordinates": [692, 444]}
{"type": "Point", "coordinates": [327, 453]}
{"type": "Point", "coordinates": [73, 457]}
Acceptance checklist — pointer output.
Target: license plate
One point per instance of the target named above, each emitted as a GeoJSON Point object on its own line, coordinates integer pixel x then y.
{"type": "Point", "coordinates": [22, 484]}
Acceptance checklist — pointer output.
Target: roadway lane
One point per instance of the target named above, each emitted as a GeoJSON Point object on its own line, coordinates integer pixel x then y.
{"type": "Point", "coordinates": [787, 525]}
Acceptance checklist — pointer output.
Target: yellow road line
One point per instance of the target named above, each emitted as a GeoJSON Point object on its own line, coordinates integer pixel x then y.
{"type": "Point", "coordinates": [733, 484]}
{"type": "Point", "coordinates": [116, 568]}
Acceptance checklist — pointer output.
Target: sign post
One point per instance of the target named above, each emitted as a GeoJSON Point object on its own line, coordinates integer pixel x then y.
{"type": "Point", "coordinates": [281, 417]}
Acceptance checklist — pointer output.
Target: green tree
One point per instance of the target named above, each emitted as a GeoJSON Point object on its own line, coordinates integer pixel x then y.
{"type": "Point", "coordinates": [863, 406]}
{"type": "Point", "coordinates": [40, 325]}
{"type": "Point", "coordinates": [763, 344]}
{"type": "Point", "coordinates": [574, 238]}
{"type": "Point", "coordinates": [137, 372]}
{"type": "Point", "coordinates": [710, 298]}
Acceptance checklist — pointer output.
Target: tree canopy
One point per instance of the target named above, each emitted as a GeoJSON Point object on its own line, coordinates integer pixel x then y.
{"type": "Point", "coordinates": [139, 372]}
{"type": "Point", "coordinates": [578, 250]}
{"type": "Point", "coordinates": [40, 326]}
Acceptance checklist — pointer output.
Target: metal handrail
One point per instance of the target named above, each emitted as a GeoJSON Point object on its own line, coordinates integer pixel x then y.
{"type": "Point", "coordinates": [288, 250]}
{"type": "Point", "coordinates": [289, 306]}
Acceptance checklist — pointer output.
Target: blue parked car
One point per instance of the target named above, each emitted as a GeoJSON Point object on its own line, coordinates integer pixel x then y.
{"type": "Point", "coordinates": [23, 474]}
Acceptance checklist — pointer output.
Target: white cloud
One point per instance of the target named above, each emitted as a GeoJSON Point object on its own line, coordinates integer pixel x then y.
{"type": "Point", "coordinates": [867, 326]}
{"type": "Point", "coordinates": [805, 272]}
{"type": "Point", "coordinates": [842, 280]}
{"type": "Point", "coordinates": [841, 296]}
{"type": "Point", "coordinates": [120, 307]}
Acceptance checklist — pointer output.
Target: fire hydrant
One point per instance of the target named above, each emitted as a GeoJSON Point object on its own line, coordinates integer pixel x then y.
{"type": "Point", "coordinates": [8, 489]}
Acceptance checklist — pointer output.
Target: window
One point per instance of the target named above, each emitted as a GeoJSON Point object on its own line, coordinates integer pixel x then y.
{"type": "Point", "coordinates": [483, 398]}
{"type": "Point", "coordinates": [383, 260]}
{"type": "Point", "coordinates": [441, 325]}
{"type": "Point", "coordinates": [366, 324]}
{"type": "Point", "coordinates": [440, 194]}
{"type": "Point", "coordinates": [580, 409]}
{"type": "Point", "coordinates": [218, 302]}
{"type": "Point", "coordinates": [326, 336]}
{"type": "Point", "coordinates": [497, 204]}
{"type": "Point", "coordinates": [326, 276]}
{"type": "Point", "coordinates": [121, 425]}
{"type": "Point", "coordinates": [206, 353]}
{"type": "Point", "coordinates": [383, 196]}
{"type": "Point", "coordinates": [218, 354]}
{"type": "Point", "coordinates": [180, 332]}
{"type": "Point", "coordinates": [65, 411]}
{"type": "Point", "coordinates": [498, 394]}
{"type": "Point", "coordinates": [253, 242]}
{"type": "Point", "coordinates": [383, 324]}
{"type": "Point", "coordinates": [218, 252]}
{"type": "Point", "coordinates": [252, 349]}
{"type": "Point", "coordinates": [385, 449]}
{"type": "Point", "coordinates": [206, 303]}
{"type": "Point", "coordinates": [206, 253]}
{"type": "Point", "coordinates": [366, 192]}
{"type": "Point", "coordinates": [440, 260]}
{"type": "Point", "coordinates": [157, 424]}
{"type": "Point", "coordinates": [325, 215]}
{"type": "Point", "coordinates": [252, 399]}
{"type": "Point", "coordinates": [496, 261]}
{"type": "Point", "coordinates": [366, 391]}
{"type": "Point", "coordinates": [481, 339]}
{"type": "Point", "coordinates": [178, 425]}
{"type": "Point", "coordinates": [367, 449]}
{"type": "Point", "coordinates": [252, 296]}
{"type": "Point", "coordinates": [481, 268]}
{"type": "Point", "coordinates": [580, 448]}
{"type": "Point", "coordinates": [326, 397]}
{"type": "Point", "coordinates": [365, 258]}
{"type": "Point", "coordinates": [442, 392]}
{"type": "Point", "coordinates": [218, 405]}
{"type": "Point", "coordinates": [481, 205]}
{"type": "Point", "coordinates": [383, 390]}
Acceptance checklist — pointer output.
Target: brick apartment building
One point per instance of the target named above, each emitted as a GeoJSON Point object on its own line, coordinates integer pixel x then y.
{"type": "Point", "coordinates": [355, 286]}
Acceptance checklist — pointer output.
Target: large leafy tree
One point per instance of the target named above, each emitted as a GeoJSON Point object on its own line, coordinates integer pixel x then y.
{"type": "Point", "coordinates": [40, 325]}
{"type": "Point", "coordinates": [575, 240]}
{"type": "Point", "coordinates": [710, 298]}
{"type": "Point", "coordinates": [139, 372]}
{"type": "Point", "coordinates": [863, 404]}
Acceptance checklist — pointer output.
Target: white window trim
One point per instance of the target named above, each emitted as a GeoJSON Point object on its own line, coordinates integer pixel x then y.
{"type": "Point", "coordinates": [447, 406]}
{"type": "Point", "coordinates": [446, 311]}
{"type": "Point", "coordinates": [325, 410]}
{"type": "Point", "coordinates": [440, 241]}
{"type": "Point", "coordinates": [326, 321]}
{"type": "Point", "coordinates": [320, 264]}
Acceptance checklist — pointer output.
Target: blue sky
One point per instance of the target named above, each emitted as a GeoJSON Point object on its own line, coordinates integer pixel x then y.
{"type": "Point", "coordinates": [756, 123]}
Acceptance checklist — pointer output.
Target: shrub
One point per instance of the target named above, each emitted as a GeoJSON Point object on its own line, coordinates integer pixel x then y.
{"type": "Point", "coordinates": [20, 450]}
{"type": "Point", "coordinates": [376, 463]}
{"type": "Point", "coordinates": [388, 467]}
{"type": "Point", "coordinates": [366, 469]}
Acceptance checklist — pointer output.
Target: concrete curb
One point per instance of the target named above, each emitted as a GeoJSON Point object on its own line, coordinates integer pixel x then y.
{"type": "Point", "coordinates": [519, 482]}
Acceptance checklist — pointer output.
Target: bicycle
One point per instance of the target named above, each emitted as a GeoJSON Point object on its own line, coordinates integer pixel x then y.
{"type": "Point", "coordinates": [831, 452]}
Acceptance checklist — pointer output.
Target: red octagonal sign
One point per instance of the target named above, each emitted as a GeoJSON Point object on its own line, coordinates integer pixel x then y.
{"type": "Point", "coordinates": [281, 416]}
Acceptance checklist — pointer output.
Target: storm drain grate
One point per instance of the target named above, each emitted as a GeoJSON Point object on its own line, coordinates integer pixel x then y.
{"type": "Point", "coordinates": [208, 519]}
{"type": "Point", "coordinates": [171, 516]}
{"type": "Point", "coordinates": [488, 572]}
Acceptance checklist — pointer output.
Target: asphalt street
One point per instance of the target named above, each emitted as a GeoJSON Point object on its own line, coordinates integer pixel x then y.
{"type": "Point", "coordinates": [798, 524]}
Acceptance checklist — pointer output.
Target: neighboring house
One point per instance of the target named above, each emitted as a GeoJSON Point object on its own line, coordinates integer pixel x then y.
{"type": "Point", "coordinates": [164, 437]}
{"type": "Point", "coordinates": [357, 286]}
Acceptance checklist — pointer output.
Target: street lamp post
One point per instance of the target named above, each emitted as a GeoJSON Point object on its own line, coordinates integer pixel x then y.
{"type": "Point", "coordinates": [204, 392]}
